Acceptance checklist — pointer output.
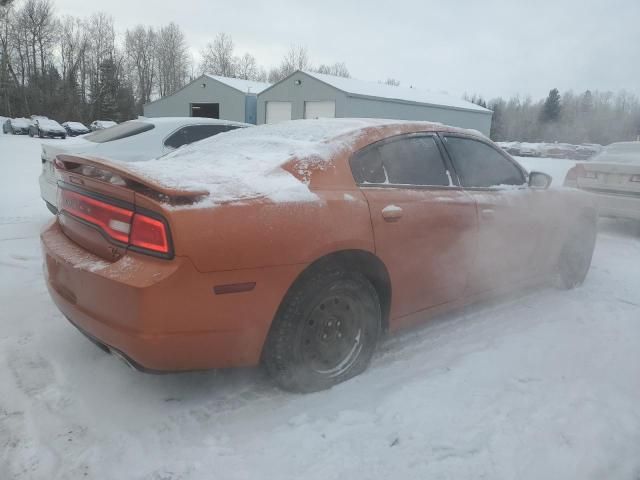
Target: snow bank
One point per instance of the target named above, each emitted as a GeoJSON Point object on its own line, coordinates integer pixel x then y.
{"type": "Point", "coordinates": [248, 163]}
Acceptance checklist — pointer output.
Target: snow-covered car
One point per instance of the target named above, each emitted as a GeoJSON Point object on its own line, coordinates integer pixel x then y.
{"type": "Point", "coordinates": [44, 127]}
{"type": "Point", "coordinates": [75, 128]}
{"type": "Point", "coordinates": [16, 126]}
{"type": "Point", "coordinates": [132, 141]}
{"type": "Point", "coordinates": [101, 124]}
{"type": "Point", "coordinates": [614, 177]}
{"type": "Point", "coordinates": [296, 244]}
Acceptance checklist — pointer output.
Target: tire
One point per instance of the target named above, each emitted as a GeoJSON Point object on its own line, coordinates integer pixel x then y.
{"type": "Point", "coordinates": [325, 331]}
{"type": "Point", "coordinates": [576, 255]}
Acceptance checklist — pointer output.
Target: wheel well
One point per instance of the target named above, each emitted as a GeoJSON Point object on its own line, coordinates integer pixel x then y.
{"type": "Point", "coordinates": [365, 263]}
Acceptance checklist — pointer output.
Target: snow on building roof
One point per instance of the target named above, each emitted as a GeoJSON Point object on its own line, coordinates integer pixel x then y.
{"type": "Point", "coordinates": [245, 86]}
{"type": "Point", "coordinates": [354, 87]}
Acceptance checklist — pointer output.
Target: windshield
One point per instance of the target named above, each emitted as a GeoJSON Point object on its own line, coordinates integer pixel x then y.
{"type": "Point", "coordinates": [623, 153]}
{"type": "Point", "coordinates": [118, 132]}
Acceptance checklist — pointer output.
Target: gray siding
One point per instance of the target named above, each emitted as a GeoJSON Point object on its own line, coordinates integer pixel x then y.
{"type": "Point", "coordinates": [370, 108]}
{"type": "Point", "coordinates": [232, 101]}
{"type": "Point", "coordinates": [311, 90]}
{"type": "Point", "coordinates": [347, 105]}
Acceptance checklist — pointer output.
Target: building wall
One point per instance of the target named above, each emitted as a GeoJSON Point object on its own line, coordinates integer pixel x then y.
{"type": "Point", "coordinates": [310, 90]}
{"type": "Point", "coordinates": [232, 102]}
{"type": "Point", "coordinates": [369, 108]}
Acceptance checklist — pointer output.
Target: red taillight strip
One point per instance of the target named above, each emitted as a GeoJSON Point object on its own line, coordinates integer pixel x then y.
{"type": "Point", "coordinates": [149, 233]}
{"type": "Point", "coordinates": [114, 221]}
{"type": "Point", "coordinates": [139, 231]}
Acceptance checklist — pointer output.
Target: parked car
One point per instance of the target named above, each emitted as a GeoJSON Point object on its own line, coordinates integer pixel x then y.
{"type": "Point", "coordinates": [75, 128]}
{"type": "Point", "coordinates": [43, 127]}
{"type": "Point", "coordinates": [131, 141]}
{"type": "Point", "coordinates": [296, 244]}
{"type": "Point", "coordinates": [614, 177]}
{"type": "Point", "coordinates": [101, 124]}
{"type": "Point", "coordinates": [16, 126]}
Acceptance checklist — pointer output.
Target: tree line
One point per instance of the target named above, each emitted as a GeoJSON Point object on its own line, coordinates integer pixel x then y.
{"type": "Point", "coordinates": [587, 117]}
{"type": "Point", "coordinates": [72, 68]}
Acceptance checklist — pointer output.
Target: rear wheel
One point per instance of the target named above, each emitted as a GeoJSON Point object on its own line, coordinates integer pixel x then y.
{"type": "Point", "coordinates": [325, 331]}
{"type": "Point", "coordinates": [575, 257]}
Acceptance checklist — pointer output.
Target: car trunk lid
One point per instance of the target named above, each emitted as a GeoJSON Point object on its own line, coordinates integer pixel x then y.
{"type": "Point", "coordinates": [98, 204]}
{"type": "Point", "coordinates": [610, 177]}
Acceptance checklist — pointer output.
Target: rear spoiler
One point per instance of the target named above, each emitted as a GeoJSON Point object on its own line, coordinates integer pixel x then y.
{"type": "Point", "coordinates": [118, 173]}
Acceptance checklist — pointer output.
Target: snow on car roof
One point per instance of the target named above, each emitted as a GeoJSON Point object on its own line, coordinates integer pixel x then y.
{"type": "Point", "coordinates": [372, 89]}
{"type": "Point", "coordinates": [245, 86]}
{"type": "Point", "coordinates": [246, 163]}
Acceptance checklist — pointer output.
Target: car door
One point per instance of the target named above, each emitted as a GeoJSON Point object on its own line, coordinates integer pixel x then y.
{"type": "Point", "coordinates": [512, 216]}
{"type": "Point", "coordinates": [424, 226]}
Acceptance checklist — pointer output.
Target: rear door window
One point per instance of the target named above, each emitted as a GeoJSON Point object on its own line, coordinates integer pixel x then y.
{"type": "Point", "coordinates": [118, 132]}
{"type": "Point", "coordinates": [481, 166]}
{"type": "Point", "coordinates": [193, 133]}
{"type": "Point", "coordinates": [408, 160]}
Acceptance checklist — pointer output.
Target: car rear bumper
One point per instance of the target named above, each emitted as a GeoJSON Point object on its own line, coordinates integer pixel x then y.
{"type": "Point", "coordinates": [163, 315]}
{"type": "Point", "coordinates": [48, 189]}
{"type": "Point", "coordinates": [618, 206]}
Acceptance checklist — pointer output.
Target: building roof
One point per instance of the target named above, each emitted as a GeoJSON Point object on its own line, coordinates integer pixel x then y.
{"type": "Point", "coordinates": [245, 86]}
{"type": "Point", "coordinates": [361, 88]}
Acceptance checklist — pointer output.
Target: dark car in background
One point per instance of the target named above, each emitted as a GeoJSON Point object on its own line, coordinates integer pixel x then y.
{"type": "Point", "coordinates": [16, 126]}
{"type": "Point", "coordinates": [75, 128]}
{"type": "Point", "coordinates": [44, 127]}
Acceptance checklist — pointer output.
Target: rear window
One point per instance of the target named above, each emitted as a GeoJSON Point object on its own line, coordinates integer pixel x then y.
{"type": "Point", "coordinates": [118, 132]}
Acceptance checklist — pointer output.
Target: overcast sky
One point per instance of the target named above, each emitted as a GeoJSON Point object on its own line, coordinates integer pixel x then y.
{"type": "Point", "coordinates": [490, 47]}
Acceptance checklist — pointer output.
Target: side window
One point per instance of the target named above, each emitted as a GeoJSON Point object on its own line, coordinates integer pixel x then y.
{"type": "Point", "coordinates": [193, 133]}
{"type": "Point", "coordinates": [199, 132]}
{"type": "Point", "coordinates": [402, 161]}
{"type": "Point", "coordinates": [177, 139]}
{"type": "Point", "coordinates": [480, 165]}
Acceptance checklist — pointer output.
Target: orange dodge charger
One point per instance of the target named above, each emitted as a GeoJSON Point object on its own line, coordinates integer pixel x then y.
{"type": "Point", "coordinates": [296, 245]}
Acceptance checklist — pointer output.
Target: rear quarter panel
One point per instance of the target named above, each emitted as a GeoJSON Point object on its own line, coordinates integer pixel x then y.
{"type": "Point", "coordinates": [261, 233]}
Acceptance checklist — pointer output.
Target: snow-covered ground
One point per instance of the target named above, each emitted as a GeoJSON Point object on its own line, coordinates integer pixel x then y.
{"type": "Point", "coordinates": [544, 384]}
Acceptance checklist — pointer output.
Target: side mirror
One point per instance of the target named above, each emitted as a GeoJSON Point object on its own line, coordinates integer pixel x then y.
{"type": "Point", "coordinates": [539, 180]}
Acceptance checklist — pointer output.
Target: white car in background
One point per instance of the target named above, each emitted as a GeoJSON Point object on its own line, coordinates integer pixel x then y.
{"type": "Point", "coordinates": [101, 125]}
{"type": "Point", "coordinates": [132, 141]}
{"type": "Point", "coordinates": [614, 177]}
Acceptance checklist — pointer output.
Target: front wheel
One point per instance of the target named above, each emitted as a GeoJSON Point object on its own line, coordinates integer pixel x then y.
{"type": "Point", "coordinates": [325, 331]}
{"type": "Point", "coordinates": [576, 255]}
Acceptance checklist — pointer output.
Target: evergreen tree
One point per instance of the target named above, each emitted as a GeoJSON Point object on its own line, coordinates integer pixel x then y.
{"type": "Point", "coordinates": [551, 108]}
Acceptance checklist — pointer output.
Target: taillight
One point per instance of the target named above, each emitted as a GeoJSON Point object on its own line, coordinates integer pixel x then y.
{"type": "Point", "coordinates": [112, 220]}
{"type": "Point", "coordinates": [571, 180]}
{"type": "Point", "coordinates": [142, 232]}
{"type": "Point", "coordinates": [149, 234]}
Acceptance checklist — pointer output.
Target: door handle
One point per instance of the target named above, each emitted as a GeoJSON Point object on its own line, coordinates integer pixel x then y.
{"type": "Point", "coordinates": [392, 213]}
{"type": "Point", "coordinates": [487, 212]}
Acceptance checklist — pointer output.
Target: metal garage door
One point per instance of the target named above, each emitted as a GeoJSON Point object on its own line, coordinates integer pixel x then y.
{"type": "Point", "coordinates": [278, 112]}
{"type": "Point", "coordinates": [324, 109]}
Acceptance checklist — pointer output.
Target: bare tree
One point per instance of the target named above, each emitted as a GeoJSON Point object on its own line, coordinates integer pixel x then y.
{"type": "Point", "coordinates": [247, 67]}
{"type": "Point", "coordinates": [173, 59]}
{"type": "Point", "coordinates": [338, 69]}
{"type": "Point", "coordinates": [140, 45]}
{"type": "Point", "coordinates": [217, 57]}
